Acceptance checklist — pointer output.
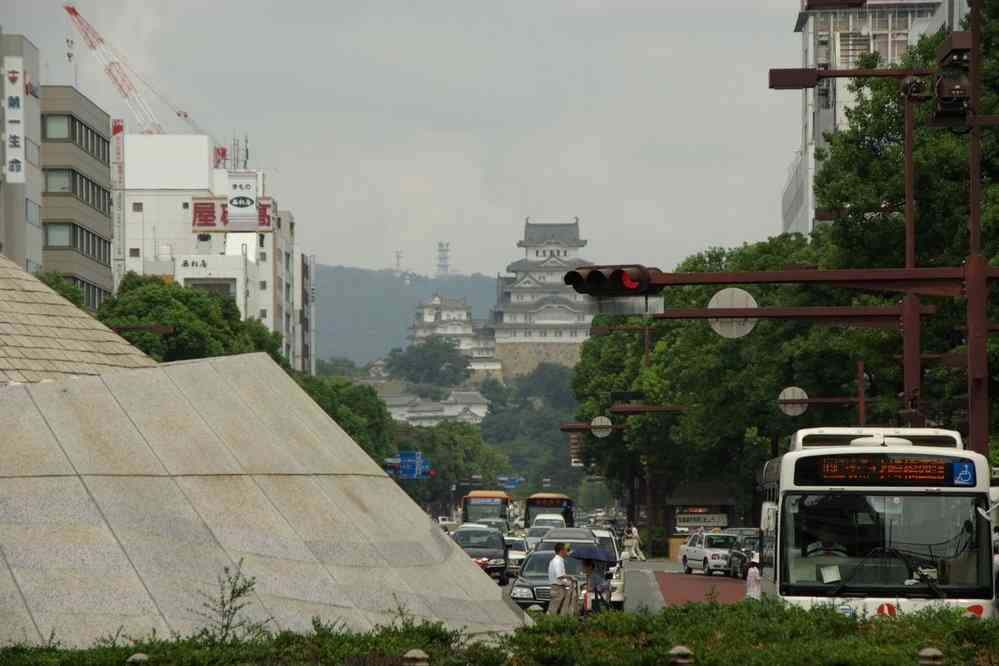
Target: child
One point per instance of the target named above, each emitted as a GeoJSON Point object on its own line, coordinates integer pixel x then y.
{"type": "Point", "coordinates": [753, 582]}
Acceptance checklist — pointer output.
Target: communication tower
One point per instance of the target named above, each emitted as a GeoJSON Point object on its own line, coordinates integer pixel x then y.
{"type": "Point", "coordinates": [443, 259]}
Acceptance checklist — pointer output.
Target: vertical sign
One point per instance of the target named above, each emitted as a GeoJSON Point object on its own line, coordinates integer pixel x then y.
{"type": "Point", "coordinates": [243, 215]}
{"type": "Point", "coordinates": [13, 101]}
{"type": "Point", "coordinates": [118, 192]}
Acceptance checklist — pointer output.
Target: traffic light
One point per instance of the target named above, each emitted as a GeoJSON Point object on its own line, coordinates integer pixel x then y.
{"type": "Point", "coordinates": [613, 281]}
{"type": "Point", "coordinates": [952, 85]}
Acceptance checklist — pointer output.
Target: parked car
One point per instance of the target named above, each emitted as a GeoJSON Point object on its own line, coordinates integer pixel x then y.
{"type": "Point", "coordinates": [606, 540]}
{"type": "Point", "coordinates": [742, 552]}
{"type": "Point", "coordinates": [486, 546]}
{"type": "Point", "coordinates": [548, 520]}
{"type": "Point", "coordinates": [516, 553]}
{"type": "Point", "coordinates": [531, 587]}
{"type": "Point", "coordinates": [707, 552]}
{"type": "Point", "coordinates": [535, 535]}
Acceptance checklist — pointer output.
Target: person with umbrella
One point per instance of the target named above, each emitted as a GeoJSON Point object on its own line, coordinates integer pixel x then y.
{"type": "Point", "coordinates": [597, 590]}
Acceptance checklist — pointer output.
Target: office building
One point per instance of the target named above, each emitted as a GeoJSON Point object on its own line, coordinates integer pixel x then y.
{"type": "Point", "coordinates": [836, 39]}
{"type": "Point", "coordinates": [76, 209]}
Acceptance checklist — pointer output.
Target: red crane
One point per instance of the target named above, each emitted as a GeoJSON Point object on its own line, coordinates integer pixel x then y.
{"type": "Point", "coordinates": [123, 75]}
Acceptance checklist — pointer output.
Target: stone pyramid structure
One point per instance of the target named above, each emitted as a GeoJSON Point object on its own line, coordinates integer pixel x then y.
{"type": "Point", "coordinates": [124, 493]}
{"type": "Point", "coordinates": [44, 336]}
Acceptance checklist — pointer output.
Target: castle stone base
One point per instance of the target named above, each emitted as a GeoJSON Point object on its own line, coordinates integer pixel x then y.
{"type": "Point", "coordinates": [521, 358]}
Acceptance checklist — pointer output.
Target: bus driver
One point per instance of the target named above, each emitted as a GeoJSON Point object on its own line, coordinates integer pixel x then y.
{"type": "Point", "coordinates": [825, 544]}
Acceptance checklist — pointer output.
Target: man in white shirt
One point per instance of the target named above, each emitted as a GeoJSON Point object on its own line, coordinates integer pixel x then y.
{"type": "Point", "coordinates": [556, 568]}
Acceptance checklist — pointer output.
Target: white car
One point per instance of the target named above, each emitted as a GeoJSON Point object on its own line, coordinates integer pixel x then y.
{"type": "Point", "coordinates": [606, 540]}
{"type": "Point", "coordinates": [516, 552]}
{"type": "Point", "coordinates": [707, 552]}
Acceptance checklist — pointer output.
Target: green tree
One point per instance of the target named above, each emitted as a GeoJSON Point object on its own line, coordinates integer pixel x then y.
{"type": "Point", "coordinates": [358, 410]}
{"type": "Point", "coordinates": [205, 324]}
{"type": "Point", "coordinates": [523, 423]}
{"type": "Point", "coordinates": [434, 361]}
{"type": "Point", "coordinates": [62, 286]}
{"type": "Point", "coordinates": [457, 453]}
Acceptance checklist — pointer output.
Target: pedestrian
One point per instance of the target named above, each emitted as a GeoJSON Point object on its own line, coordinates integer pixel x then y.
{"type": "Point", "coordinates": [597, 588]}
{"type": "Point", "coordinates": [563, 588]}
{"type": "Point", "coordinates": [753, 582]}
{"type": "Point", "coordinates": [636, 543]}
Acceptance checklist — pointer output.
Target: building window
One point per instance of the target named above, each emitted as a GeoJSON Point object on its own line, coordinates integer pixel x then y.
{"type": "Point", "coordinates": [59, 235]}
{"type": "Point", "coordinates": [32, 213]}
{"type": "Point", "coordinates": [186, 205]}
{"type": "Point", "coordinates": [56, 127]}
{"type": "Point", "coordinates": [263, 313]}
{"type": "Point", "coordinates": [31, 152]}
{"type": "Point", "coordinates": [260, 240]}
{"type": "Point", "coordinates": [543, 334]}
{"type": "Point", "coordinates": [136, 206]}
{"type": "Point", "coordinates": [133, 252]}
{"type": "Point", "coordinates": [263, 256]}
{"type": "Point", "coordinates": [204, 238]}
{"type": "Point", "coordinates": [263, 285]}
{"type": "Point", "coordinates": [572, 333]}
{"type": "Point", "coordinates": [58, 180]}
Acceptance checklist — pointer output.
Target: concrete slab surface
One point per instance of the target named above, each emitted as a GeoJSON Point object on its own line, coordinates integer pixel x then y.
{"type": "Point", "coordinates": [123, 497]}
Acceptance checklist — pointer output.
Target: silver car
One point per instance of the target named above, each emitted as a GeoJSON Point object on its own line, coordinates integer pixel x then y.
{"type": "Point", "coordinates": [535, 535]}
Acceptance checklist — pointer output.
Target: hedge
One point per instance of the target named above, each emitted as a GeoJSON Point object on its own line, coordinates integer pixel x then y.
{"type": "Point", "coordinates": [766, 633]}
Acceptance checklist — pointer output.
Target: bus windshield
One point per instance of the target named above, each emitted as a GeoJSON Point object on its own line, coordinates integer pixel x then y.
{"type": "Point", "coordinates": [904, 544]}
{"type": "Point", "coordinates": [479, 508]}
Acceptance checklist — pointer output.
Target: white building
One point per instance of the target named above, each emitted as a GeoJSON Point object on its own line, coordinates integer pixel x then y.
{"type": "Point", "coordinates": [538, 318]}
{"type": "Point", "coordinates": [451, 318]}
{"type": "Point", "coordinates": [21, 179]}
{"type": "Point", "coordinates": [213, 229]}
{"type": "Point", "coordinates": [460, 406]}
{"type": "Point", "coordinates": [835, 39]}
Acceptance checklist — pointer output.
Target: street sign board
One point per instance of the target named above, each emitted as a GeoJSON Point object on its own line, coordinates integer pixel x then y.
{"type": "Point", "coordinates": [732, 297]}
{"type": "Point", "coordinates": [793, 393]}
{"type": "Point", "coordinates": [601, 426]}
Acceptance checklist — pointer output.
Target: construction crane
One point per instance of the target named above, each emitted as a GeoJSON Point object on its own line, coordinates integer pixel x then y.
{"type": "Point", "coordinates": [122, 75]}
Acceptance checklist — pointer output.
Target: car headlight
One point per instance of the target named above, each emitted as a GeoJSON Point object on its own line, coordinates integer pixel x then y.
{"type": "Point", "coordinates": [497, 563]}
{"type": "Point", "coordinates": [522, 593]}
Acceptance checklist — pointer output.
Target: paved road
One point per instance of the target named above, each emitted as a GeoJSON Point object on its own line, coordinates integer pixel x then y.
{"type": "Point", "coordinates": [641, 589]}
{"type": "Point", "coordinates": [680, 588]}
{"type": "Point", "coordinates": [656, 583]}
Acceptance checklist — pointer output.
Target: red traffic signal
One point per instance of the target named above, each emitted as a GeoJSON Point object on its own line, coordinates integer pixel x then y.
{"type": "Point", "coordinates": [608, 281]}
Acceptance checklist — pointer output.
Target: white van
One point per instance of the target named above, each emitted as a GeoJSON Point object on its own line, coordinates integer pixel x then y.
{"type": "Point", "coordinates": [552, 520]}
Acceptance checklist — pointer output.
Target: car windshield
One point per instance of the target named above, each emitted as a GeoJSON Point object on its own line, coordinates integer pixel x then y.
{"type": "Point", "coordinates": [548, 522]}
{"type": "Point", "coordinates": [607, 543]}
{"type": "Point", "coordinates": [479, 539]}
{"type": "Point", "coordinates": [720, 540]}
{"type": "Point", "coordinates": [516, 544]}
{"type": "Point", "coordinates": [917, 545]}
{"type": "Point", "coordinates": [538, 532]}
{"type": "Point", "coordinates": [537, 564]}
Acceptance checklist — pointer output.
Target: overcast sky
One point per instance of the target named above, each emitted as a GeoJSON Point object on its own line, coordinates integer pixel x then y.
{"type": "Point", "coordinates": [390, 125]}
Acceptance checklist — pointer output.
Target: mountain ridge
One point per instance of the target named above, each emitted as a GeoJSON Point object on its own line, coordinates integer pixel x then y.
{"type": "Point", "coordinates": [364, 313]}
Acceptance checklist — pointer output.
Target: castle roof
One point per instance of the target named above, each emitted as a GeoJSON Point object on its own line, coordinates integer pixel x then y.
{"type": "Point", "coordinates": [547, 233]}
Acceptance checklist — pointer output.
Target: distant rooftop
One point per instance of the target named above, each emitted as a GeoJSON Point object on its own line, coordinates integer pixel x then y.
{"type": "Point", "coordinates": [43, 336]}
{"type": "Point", "coordinates": [538, 232]}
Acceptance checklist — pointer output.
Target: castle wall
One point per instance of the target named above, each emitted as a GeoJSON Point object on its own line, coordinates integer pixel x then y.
{"type": "Point", "coordinates": [520, 358]}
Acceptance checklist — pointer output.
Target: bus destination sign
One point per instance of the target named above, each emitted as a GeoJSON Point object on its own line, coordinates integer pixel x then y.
{"type": "Point", "coordinates": [884, 469]}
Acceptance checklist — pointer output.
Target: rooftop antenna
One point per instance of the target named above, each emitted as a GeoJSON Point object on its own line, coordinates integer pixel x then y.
{"type": "Point", "coordinates": [71, 59]}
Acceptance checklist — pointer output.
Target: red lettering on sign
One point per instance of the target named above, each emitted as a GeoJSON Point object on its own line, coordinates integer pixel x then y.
{"type": "Point", "coordinates": [887, 609]}
{"type": "Point", "coordinates": [204, 214]}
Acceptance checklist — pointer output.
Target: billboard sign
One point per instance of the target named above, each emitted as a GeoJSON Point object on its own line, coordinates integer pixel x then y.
{"type": "Point", "coordinates": [13, 100]}
{"type": "Point", "coordinates": [209, 214]}
{"type": "Point", "coordinates": [243, 214]}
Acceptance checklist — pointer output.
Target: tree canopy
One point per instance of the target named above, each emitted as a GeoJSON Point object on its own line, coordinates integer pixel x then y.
{"type": "Point", "coordinates": [523, 423]}
{"type": "Point", "coordinates": [436, 360]}
{"type": "Point", "coordinates": [205, 324]}
{"type": "Point", "coordinates": [62, 286]}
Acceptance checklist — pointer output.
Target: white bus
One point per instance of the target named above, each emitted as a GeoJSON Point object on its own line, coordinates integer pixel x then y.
{"type": "Point", "coordinates": [878, 521]}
